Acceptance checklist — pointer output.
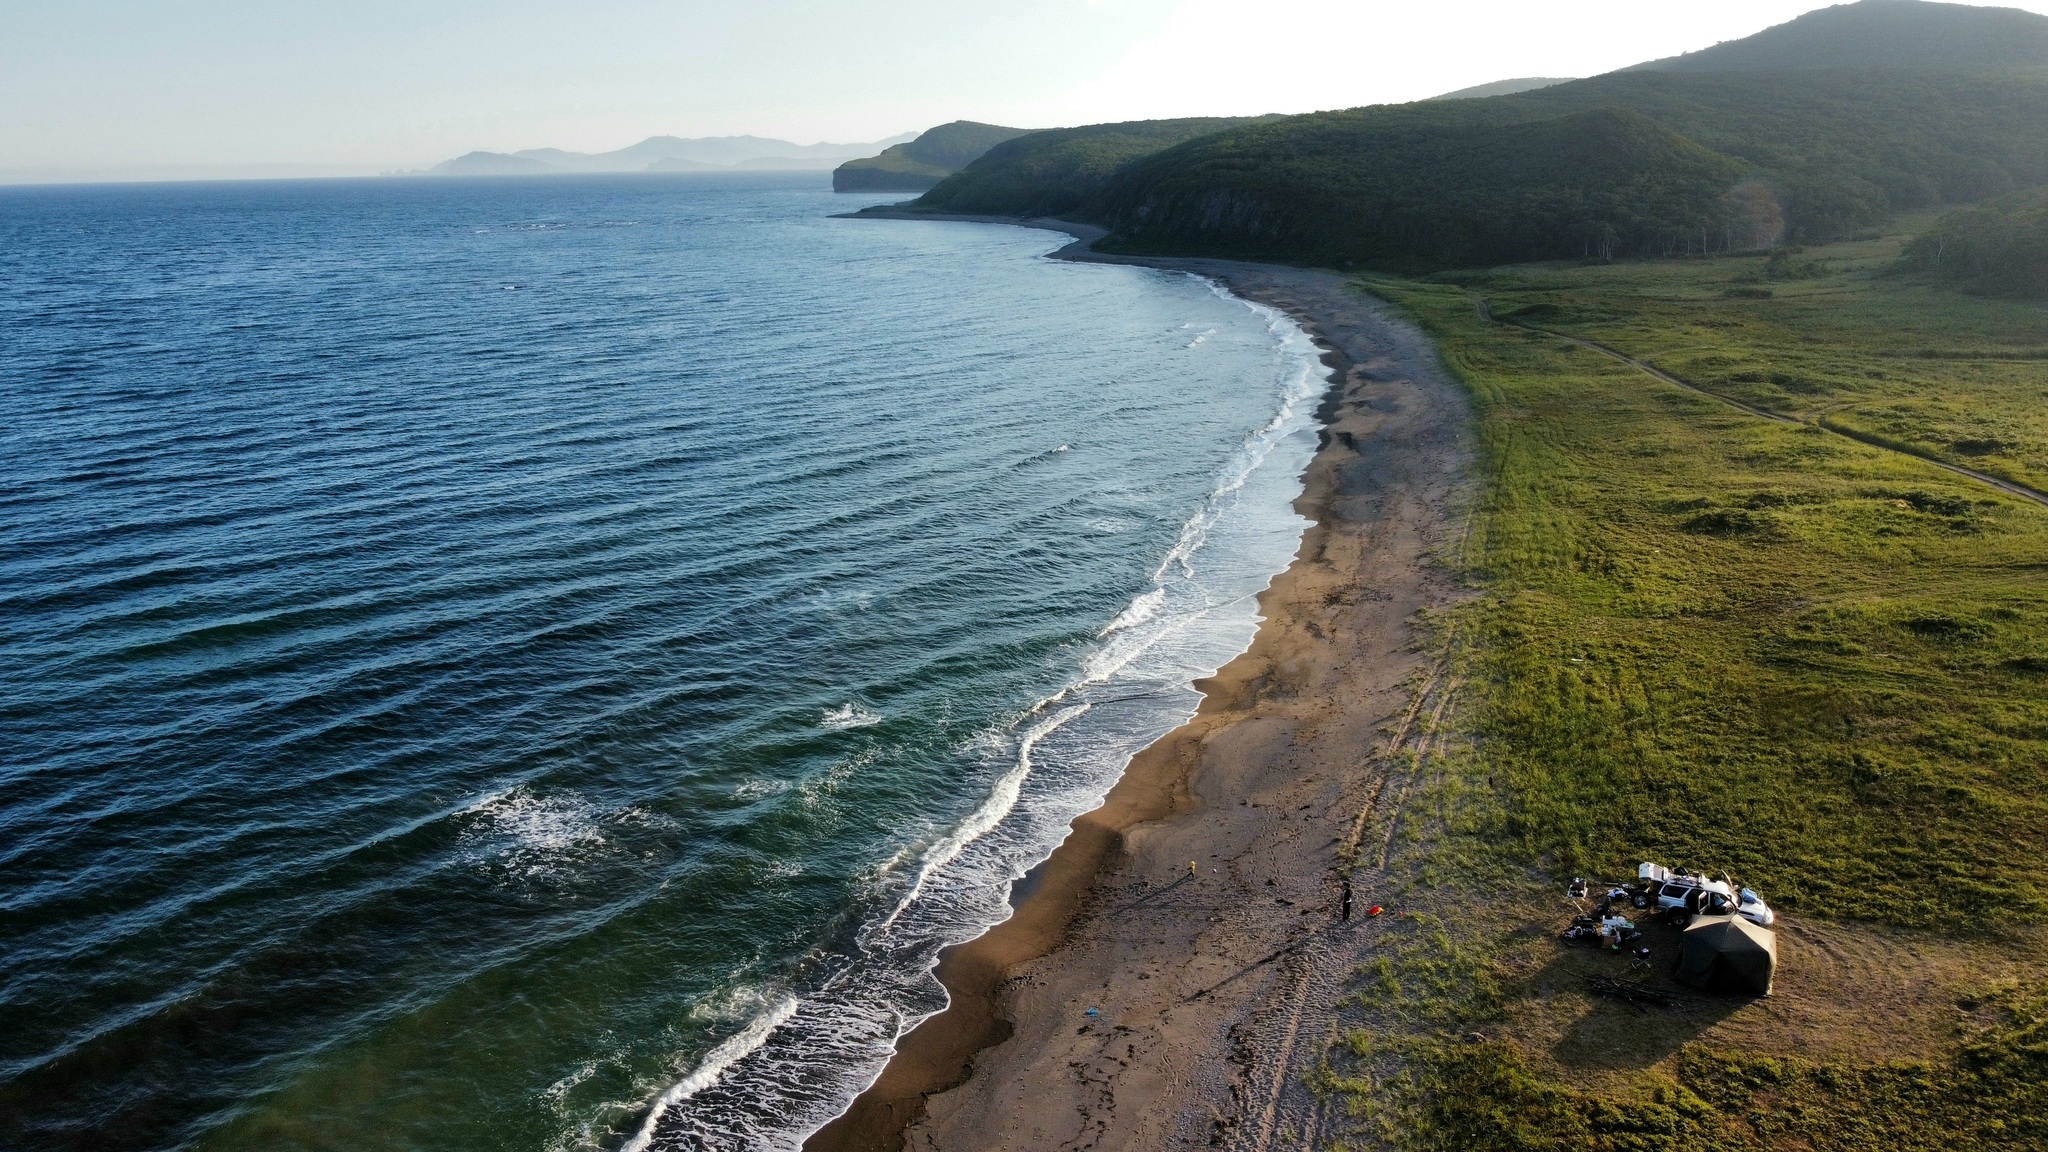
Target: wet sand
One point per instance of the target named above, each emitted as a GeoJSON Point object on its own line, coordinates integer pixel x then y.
{"type": "Point", "coordinates": [1213, 990]}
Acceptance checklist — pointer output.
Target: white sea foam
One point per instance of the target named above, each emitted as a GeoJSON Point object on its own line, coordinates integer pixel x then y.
{"type": "Point", "coordinates": [1001, 799]}
{"type": "Point", "coordinates": [527, 833]}
{"type": "Point", "coordinates": [1143, 608]}
{"type": "Point", "coordinates": [735, 1003]}
{"type": "Point", "coordinates": [1104, 663]}
{"type": "Point", "coordinates": [1305, 381]}
{"type": "Point", "coordinates": [561, 1088]}
{"type": "Point", "coordinates": [714, 1064]}
{"type": "Point", "coordinates": [849, 715]}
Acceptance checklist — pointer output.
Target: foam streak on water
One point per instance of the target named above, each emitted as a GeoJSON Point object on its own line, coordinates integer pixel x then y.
{"type": "Point", "coordinates": [499, 665]}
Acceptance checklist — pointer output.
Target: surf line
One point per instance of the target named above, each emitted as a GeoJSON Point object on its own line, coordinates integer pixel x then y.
{"type": "Point", "coordinates": [1056, 711]}
{"type": "Point", "coordinates": [1002, 799]}
{"type": "Point", "coordinates": [730, 1051]}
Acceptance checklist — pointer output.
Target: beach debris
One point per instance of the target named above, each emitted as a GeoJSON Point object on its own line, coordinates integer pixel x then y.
{"type": "Point", "coordinates": [1092, 1013]}
{"type": "Point", "coordinates": [1375, 910]}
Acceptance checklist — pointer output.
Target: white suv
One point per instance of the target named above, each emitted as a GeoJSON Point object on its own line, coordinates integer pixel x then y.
{"type": "Point", "coordinates": [1688, 894]}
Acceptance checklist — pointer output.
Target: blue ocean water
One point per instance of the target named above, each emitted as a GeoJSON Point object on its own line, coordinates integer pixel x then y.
{"type": "Point", "coordinates": [545, 664]}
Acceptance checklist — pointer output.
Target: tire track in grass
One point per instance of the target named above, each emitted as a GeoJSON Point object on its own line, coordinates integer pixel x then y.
{"type": "Point", "coordinates": [2008, 487]}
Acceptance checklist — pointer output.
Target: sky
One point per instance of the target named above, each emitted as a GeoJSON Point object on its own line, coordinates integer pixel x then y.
{"type": "Point", "coordinates": [130, 89]}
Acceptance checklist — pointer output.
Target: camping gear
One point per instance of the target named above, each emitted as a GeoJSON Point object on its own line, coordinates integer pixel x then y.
{"type": "Point", "coordinates": [1616, 931]}
{"type": "Point", "coordinates": [1611, 932]}
{"type": "Point", "coordinates": [1683, 895]}
{"type": "Point", "coordinates": [1728, 953]}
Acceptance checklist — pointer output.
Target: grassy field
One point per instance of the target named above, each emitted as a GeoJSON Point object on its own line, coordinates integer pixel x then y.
{"type": "Point", "coordinates": [1766, 649]}
{"type": "Point", "coordinates": [1823, 335]}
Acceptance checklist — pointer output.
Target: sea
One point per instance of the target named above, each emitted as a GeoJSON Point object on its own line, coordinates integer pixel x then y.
{"type": "Point", "coordinates": [546, 664]}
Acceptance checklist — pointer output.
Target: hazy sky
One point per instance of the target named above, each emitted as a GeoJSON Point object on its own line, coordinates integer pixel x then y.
{"type": "Point", "coordinates": [135, 87]}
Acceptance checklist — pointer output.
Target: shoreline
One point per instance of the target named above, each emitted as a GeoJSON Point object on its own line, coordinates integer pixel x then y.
{"type": "Point", "coordinates": [932, 1092]}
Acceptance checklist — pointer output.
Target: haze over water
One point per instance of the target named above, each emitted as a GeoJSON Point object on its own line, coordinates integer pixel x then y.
{"type": "Point", "coordinates": [546, 664]}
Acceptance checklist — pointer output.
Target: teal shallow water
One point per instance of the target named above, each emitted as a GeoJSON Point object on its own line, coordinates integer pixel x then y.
{"type": "Point", "coordinates": [546, 664]}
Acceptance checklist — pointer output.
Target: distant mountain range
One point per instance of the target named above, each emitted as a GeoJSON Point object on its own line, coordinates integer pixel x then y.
{"type": "Point", "coordinates": [666, 154]}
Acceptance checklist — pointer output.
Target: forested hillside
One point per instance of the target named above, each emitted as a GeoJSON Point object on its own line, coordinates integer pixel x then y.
{"type": "Point", "coordinates": [1331, 190]}
{"type": "Point", "coordinates": [1880, 34]}
{"type": "Point", "coordinates": [1053, 173]}
{"type": "Point", "coordinates": [916, 165]}
{"type": "Point", "coordinates": [1829, 154]}
{"type": "Point", "coordinates": [1922, 108]}
{"type": "Point", "coordinates": [1999, 249]}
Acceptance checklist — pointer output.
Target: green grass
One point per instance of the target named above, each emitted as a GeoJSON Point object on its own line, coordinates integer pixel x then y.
{"type": "Point", "coordinates": [1992, 1093]}
{"type": "Point", "coordinates": [1704, 637]}
{"type": "Point", "coordinates": [1771, 650]}
{"type": "Point", "coordinates": [1835, 335]}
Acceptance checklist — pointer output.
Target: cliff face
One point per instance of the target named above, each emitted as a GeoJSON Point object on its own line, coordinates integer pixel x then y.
{"type": "Point", "coordinates": [918, 165]}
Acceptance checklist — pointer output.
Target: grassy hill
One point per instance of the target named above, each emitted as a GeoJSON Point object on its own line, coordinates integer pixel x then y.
{"type": "Point", "coordinates": [1880, 34]}
{"type": "Point", "coordinates": [1052, 173]}
{"type": "Point", "coordinates": [916, 165]}
{"type": "Point", "coordinates": [1999, 249]}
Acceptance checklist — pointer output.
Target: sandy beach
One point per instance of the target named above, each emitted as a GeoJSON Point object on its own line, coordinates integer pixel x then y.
{"type": "Point", "coordinates": [1174, 967]}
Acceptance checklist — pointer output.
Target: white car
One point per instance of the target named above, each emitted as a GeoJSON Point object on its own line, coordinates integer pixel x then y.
{"type": "Point", "coordinates": [1687, 894]}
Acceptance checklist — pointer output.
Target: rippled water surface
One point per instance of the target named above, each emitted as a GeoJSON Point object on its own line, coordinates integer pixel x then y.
{"type": "Point", "coordinates": [544, 664]}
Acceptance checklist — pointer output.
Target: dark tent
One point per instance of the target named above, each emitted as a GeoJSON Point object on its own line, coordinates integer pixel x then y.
{"type": "Point", "coordinates": [1728, 954]}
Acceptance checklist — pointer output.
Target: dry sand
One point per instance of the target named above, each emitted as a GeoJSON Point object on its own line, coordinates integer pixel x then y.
{"type": "Point", "coordinates": [1215, 990]}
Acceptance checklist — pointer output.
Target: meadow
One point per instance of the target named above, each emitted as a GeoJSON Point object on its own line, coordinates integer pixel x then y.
{"type": "Point", "coordinates": [1762, 648]}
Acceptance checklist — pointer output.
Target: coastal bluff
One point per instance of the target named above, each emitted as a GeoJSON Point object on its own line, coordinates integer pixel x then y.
{"type": "Point", "coordinates": [918, 165]}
